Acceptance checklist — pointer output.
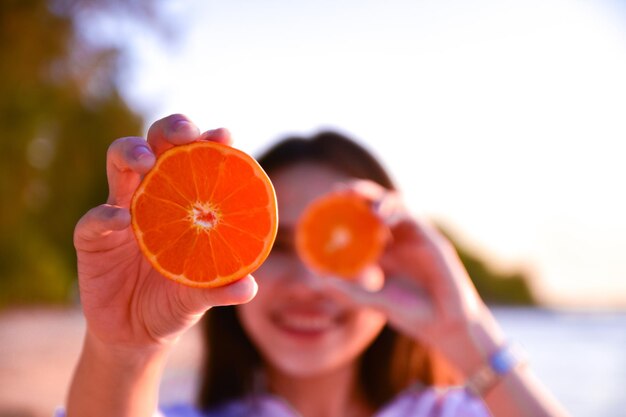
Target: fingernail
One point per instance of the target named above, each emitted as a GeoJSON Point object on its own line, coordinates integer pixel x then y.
{"type": "Point", "coordinates": [183, 126]}
{"type": "Point", "coordinates": [214, 132]}
{"type": "Point", "coordinates": [180, 124]}
{"type": "Point", "coordinates": [140, 152]}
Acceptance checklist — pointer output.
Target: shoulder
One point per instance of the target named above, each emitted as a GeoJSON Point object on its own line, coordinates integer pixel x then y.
{"type": "Point", "coordinates": [421, 401]}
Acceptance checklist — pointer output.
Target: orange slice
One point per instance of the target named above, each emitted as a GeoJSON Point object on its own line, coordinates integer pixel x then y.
{"type": "Point", "coordinates": [205, 215]}
{"type": "Point", "coordinates": [339, 234]}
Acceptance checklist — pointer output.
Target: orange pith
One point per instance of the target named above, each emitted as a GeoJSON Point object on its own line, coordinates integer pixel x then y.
{"type": "Point", "coordinates": [205, 215]}
{"type": "Point", "coordinates": [339, 234]}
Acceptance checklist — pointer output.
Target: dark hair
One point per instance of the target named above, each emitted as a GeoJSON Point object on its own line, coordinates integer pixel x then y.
{"type": "Point", "coordinates": [331, 149]}
{"type": "Point", "coordinates": [390, 364]}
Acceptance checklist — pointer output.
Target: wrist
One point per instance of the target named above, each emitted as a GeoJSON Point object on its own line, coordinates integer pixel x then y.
{"type": "Point", "coordinates": [474, 343]}
{"type": "Point", "coordinates": [127, 355]}
{"type": "Point", "coordinates": [504, 361]}
{"type": "Point", "coordinates": [484, 355]}
{"type": "Point", "coordinates": [126, 367]}
{"type": "Point", "coordinates": [116, 379]}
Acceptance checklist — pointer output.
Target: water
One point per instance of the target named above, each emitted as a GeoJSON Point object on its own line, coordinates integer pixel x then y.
{"type": "Point", "coordinates": [579, 356]}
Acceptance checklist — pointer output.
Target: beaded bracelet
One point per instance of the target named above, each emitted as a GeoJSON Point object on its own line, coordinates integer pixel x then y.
{"type": "Point", "coordinates": [500, 363]}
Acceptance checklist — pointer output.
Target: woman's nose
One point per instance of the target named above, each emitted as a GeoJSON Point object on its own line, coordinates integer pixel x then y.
{"type": "Point", "coordinates": [301, 277]}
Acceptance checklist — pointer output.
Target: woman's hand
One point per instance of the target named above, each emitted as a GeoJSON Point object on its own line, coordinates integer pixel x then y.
{"type": "Point", "coordinates": [125, 301]}
{"type": "Point", "coordinates": [427, 293]}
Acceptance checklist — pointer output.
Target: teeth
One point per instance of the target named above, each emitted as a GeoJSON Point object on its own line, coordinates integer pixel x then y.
{"type": "Point", "coordinates": [307, 323]}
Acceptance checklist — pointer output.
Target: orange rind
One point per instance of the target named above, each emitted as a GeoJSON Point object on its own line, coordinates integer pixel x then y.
{"type": "Point", "coordinates": [205, 215]}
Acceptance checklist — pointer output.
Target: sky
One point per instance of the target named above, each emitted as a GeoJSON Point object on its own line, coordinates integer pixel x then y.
{"type": "Point", "coordinates": [503, 120]}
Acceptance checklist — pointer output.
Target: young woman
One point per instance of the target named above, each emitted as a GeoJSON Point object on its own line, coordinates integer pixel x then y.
{"type": "Point", "coordinates": [409, 338]}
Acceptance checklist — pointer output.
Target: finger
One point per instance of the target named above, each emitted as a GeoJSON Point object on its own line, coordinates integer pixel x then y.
{"type": "Point", "coordinates": [391, 209]}
{"type": "Point", "coordinates": [387, 204]}
{"type": "Point", "coordinates": [170, 131]}
{"type": "Point", "coordinates": [431, 237]}
{"type": "Point", "coordinates": [367, 189]}
{"type": "Point", "coordinates": [127, 160]}
{"type": "Point", "coordinates": [220, 135]}
{"type": "Point", "coordinates": [429, 257]}
{"type": "Point", "coordinates": [197, 301]}
{"type": "Point", "coordinates": [411, 252]}
{"type": "Point", "coordinates": [407, 307]}
{"type": "Point", "coordinates": [407, 228]}
{"type": "Point", "coordinates": [353, 293]}
{"type": "Point", "coordinates": [100, 222]}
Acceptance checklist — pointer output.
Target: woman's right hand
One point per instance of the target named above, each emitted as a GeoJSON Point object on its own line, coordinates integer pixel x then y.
{"type": "Point", "coordinates": [126, 302]}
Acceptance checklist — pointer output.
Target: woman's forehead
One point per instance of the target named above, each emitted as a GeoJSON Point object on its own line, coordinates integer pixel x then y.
{"type": "Point", "coordinates": [299, 184]}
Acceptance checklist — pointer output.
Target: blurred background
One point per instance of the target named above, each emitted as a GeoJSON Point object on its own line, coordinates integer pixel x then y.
{"type": "Point", "coordinates": [503, 121]}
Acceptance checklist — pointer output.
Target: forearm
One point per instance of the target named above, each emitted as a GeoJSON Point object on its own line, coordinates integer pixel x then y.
{"type": "Point", "coordinates": [519, 393]}
{"type": "Point", "coordinates": [516, 393]}
{"type": "Point", "coordinates": [115, 382]}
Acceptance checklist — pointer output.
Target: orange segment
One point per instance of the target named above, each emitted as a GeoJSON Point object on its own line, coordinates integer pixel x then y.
{"type": "Point", "coordinates": [339, 234]}
{"type": "Point", "coordinates": [205, 215]}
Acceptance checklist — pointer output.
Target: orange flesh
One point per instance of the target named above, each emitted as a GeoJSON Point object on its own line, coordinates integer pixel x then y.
{"type": "Point", "coordinates": [205, 215]}
{"type": "Point", "coordinates": [339, 234]}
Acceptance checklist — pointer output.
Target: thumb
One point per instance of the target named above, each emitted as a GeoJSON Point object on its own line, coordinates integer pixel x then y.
{"type": "Point", "coordinates": [99, 222]}
{"type": "Point", "coordinates": [198, 300]}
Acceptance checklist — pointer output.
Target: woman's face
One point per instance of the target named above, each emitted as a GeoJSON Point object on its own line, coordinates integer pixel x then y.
{"type": "Point", "coordinates": [300, 327]}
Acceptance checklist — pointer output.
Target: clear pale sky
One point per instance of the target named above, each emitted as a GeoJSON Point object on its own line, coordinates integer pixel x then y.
{"type": "Point", "coordinates": [504, 120]}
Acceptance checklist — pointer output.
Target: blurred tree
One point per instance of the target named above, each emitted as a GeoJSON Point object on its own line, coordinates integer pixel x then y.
{"type": "Point", "coordinates": [503, 288]}
{"type": "Point", "coordinates": [60, 107]}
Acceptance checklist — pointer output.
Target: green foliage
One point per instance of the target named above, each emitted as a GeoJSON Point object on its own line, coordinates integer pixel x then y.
{"type": "Point", "coordinates": [494, 287]}
{"type": "Point", "coordinates": [59, 110]}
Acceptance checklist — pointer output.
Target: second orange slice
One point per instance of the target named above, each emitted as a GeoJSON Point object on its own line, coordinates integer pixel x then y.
{"type": "Point", "coordinates": [339, 234]}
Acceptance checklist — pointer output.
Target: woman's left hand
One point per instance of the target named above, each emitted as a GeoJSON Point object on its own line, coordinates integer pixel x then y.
{"type": "Point", "coordinates": [427, 293]}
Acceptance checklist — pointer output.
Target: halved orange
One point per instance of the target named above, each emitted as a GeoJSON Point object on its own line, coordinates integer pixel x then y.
{"type": "Point", "coordinates": [205, 215]}
{"type": "Point", "coordinates": [339, 234]}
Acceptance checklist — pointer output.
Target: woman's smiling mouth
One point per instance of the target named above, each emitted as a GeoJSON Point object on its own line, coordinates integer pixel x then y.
{"type": "Point", "coordinates": [306, 322]}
